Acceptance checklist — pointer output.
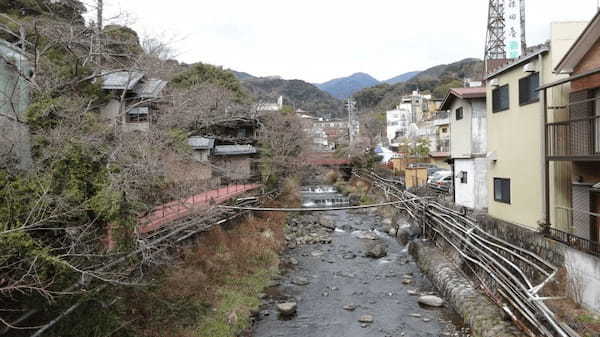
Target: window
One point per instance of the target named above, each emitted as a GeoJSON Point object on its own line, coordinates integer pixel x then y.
{"type": "Point", "coordinates": [137, 115]}
{"type": "Point", "coordinates": [502, 190]}
{"type": "Point", "coordinates": [500, 99]}
{"type": "Point", "coordinates": [459, 113]}
{"type": "Point", "coordinates": [527, 89]}
{"type": "Point", "coordinates": [463, 177]}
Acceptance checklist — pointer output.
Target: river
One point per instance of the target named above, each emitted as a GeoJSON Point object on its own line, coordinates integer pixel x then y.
{"type": "Point", "coordinates": [337, 274]}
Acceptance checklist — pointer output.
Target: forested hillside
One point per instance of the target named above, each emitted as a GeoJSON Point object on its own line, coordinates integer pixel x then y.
{"type": "Point", "coordinates": [69, 221]}
{"type": "Point", "coordinates": [436, 80]}
{"type": "Point", "coordinates": [297, 93]}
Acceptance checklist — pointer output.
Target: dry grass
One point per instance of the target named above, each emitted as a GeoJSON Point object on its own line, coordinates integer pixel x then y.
{"type": "Point", "coordinates": [214, 288]}
{"type": "Point", "coordinates": [331, 177]}
{"type": "Point", "coordinates": [567, 310]}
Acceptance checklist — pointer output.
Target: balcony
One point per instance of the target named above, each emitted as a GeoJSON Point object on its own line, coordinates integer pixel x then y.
{"type": "Point", "coordinates": [575, 139]}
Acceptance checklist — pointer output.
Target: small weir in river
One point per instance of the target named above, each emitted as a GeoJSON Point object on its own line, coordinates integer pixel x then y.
{"type": "Point", "coordinates": [323, 196]}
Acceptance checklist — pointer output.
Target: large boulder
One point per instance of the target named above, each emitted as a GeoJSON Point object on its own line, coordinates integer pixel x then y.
{"type": "Point", "coordinates": [376, 251]}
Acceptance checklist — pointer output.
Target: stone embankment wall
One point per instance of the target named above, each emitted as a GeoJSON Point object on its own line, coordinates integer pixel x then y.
{"type": "Point", "coordinates": [484, 317]}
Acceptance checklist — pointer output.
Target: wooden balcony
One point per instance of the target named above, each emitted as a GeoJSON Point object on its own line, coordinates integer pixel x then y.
{"type": "Point", "coordinates": [574, 140]}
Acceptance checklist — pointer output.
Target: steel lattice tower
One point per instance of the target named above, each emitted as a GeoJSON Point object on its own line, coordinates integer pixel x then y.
{"type": "Point", "coordinates": [495, 47]}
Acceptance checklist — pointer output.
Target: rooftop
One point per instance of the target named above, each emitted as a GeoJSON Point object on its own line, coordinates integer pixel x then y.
{"type": "Point", "coordinates": [580, 47]}
{"type": "Point", "coordinates": [201, 143]}
{"type": "Point", "coordinates": [150, 88]}
{"type": "Point", "coordinates": [121, 80]}
{"type": "Point", "coordinates": [231, 150]}
{"type": "Point", "coordinates": [533, 52]}
{"type": "Point", "coordinates": [462, 93]}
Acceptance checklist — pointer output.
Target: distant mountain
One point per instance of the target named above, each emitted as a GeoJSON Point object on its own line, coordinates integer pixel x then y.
{"type": "Point", "coordinates": [241, 75]}
{"type": "Point", "coordinates": [402, 78]}
{"type": "Point", "coordinates": [345, 87]}
{"type": "Point", "coordinates": [436, 81]}
{"type": "Point", "coordinates": [300, 94]}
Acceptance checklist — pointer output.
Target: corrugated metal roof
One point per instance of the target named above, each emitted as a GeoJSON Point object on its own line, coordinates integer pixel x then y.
{"type": "Point", "coordinates": [150, 88]}
{"type": "Point", "coordinates": [229, 150]}
{"type": "Point", "coordinates": [201, 143]}
{"type": "Point", "coordinates": [121, 80]}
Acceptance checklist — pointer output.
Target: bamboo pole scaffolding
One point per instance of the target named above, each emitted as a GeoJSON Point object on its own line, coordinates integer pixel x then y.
{"type": "Point", "coordinates": [511, 270]}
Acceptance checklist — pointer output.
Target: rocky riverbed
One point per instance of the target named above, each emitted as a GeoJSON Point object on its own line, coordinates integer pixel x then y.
{"type": "Point", "coordinates": [345, 277]}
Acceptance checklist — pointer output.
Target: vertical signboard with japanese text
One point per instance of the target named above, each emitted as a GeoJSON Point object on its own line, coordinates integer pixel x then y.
{"type": "Point", "coordinates": [512, 17]}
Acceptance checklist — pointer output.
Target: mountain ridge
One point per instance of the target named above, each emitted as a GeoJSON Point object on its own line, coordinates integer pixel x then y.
{"type": "Point", "coordinates": [344, 87]}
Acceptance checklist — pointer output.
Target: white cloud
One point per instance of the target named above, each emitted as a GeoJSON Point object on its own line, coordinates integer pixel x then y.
{"type": "Point", "coordinates": [316, 40]}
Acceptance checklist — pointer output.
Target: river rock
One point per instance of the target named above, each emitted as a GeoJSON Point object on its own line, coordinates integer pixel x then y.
{"type": "Point", "coordinates": [430, 300]}
{"type": "Point", "coordinates": [365, 235]}
{"type": "Point", "coordinates": [301, 281]}
{"type": "Point", "coordinates": [287, 309]}
{"type": "Point", "coordinates": [366, 319]}
{"type": "Point", "coordinates": [376, 251]}
{"type": "Point", "coordinates": [387, 222]}
{"type": "Point", "coordinates": [327, 223]}
{"type": "Point", "coordinates": [294, 261]}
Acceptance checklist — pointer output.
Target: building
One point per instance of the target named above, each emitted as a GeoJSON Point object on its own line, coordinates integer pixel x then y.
{"type": "Point", "coordinates": [202, 148]}
{"type": "Point", "coordinates": [398, 125]}
{"type": "Point", "coordinates": [15, 139]}
{"type": "Point", "coordinates": [134, 99]}
{"type": "Point", "coordinates": [468, 145]}
{"type": "Point", "coordinates": [235, 162]}
{"type": "Point", "coordinates": [573, 141]}
{"type": "Point", "coordinates": [516, 178]}
{"type": "Point", "coordinates": [270, 107]}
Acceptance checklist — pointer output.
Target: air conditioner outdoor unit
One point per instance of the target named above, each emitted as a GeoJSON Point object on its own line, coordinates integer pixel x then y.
{"type": "Point", "coordinates": [530, 67]}
{"type": "Point", "coordinates": [494, 82]}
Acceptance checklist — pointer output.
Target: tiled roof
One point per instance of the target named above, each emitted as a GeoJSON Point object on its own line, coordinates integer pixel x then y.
{"type": "Point", "coordinates": [462, 93]}
{"type": "Point", "coordinates": [150, 88]}
{"type": "Point", "coordinates": [121, 80]}
{"type": "Point", "coordinates": [201, 143]}
{"type": "Point", "coordinates": [230, 150]}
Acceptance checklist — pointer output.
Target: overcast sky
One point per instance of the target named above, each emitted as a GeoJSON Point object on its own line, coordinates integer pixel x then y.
{"type": "Point", "coordinates": [317, 40]}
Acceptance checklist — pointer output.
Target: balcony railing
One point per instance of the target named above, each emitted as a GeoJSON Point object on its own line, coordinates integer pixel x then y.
{"type": "Point", "coordinates": [573, 241]}
{"type": "Point", "coordinates": [574, 139]}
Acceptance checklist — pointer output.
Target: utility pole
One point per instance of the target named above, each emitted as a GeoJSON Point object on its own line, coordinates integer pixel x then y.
{"type": "Point", "coordinates": [100, 15]}
{"type": "Point", "coordinates": [99, 25]}
{"type": "Point", "coordinates": [351, 107]}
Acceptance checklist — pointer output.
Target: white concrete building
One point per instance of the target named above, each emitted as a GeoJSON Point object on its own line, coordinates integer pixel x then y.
{"type": "Point", "coordinates": [398, 123]}
{"type": "Point", "coordinates": [468, 145]}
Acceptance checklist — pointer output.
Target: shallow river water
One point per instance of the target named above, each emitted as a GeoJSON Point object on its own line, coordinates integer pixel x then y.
{"type": "Point", "coordinates": [338, 274]}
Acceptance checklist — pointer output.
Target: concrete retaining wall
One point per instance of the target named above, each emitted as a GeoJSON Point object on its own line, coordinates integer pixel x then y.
{"type": "Point", "coordinates": [483, 316]}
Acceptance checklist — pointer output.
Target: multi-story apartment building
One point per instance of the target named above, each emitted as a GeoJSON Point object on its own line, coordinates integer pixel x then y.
{"type": "Point", "coordinates": [468, 145]}
{"type": "Point", "coordinates": [573, 142]}
{"type": "Point", "coordinates": [516, 178]}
